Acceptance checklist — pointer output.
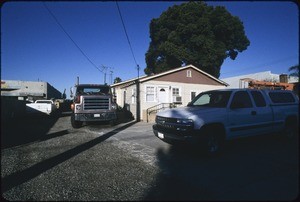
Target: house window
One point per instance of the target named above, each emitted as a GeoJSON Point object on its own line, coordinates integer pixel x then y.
{"type": "Point", "coordinates": [175, 91]}
{"type": "Point", "coordinates": [188, 73]}
{"type": "Point", "coordinates": [176, 95]}
{"type": "Point", "coordinates": [150, 92]}
{"type": "Point", "coordinates": [133, 96]}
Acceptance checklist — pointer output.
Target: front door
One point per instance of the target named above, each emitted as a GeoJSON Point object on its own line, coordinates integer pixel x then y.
{"type": "Point", "coordinates": [242, 115]}
{"type": "Point", "coordinates": [163, 95]}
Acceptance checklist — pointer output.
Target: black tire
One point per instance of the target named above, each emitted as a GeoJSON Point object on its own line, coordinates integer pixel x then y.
{"type": "Point", "coordinates": [290, 131]}
{"type": "Point", "coordinates": [213, 142]}
{"type": "Point", "coordinates": [75, 124]}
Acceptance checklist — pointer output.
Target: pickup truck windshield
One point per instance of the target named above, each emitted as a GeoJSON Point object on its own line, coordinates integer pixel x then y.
{"type": "Point", "coordinates": [211, 99]}
{"type": "Point", "coordinates": [93, 90]}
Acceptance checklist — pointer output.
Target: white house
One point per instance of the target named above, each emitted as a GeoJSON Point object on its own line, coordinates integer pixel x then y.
{"type": "Point", "coordinates": [178, 85]}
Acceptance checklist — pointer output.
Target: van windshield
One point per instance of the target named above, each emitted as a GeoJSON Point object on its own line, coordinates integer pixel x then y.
{"type": "Point", "coordinates": [211, 99]}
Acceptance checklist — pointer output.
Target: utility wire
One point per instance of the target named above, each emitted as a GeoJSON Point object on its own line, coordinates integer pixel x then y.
{"type": "Point", "coordinates": [56, 20]}
{"type": "Point", "coordinates": [126, 34]}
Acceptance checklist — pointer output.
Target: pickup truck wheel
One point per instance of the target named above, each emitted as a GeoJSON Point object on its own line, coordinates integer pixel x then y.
{"type": "Point", "coordinates": [213, 144]}
{"type": "Point", "coordinates": [75, 124]}
{"type": "Point", "coordinates": [290, 131]}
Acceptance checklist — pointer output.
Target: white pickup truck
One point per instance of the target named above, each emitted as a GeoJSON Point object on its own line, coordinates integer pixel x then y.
{"type": "Point", "coordinates": [219, 115]}
{"type": "Point", "coordinates": [41, 106]}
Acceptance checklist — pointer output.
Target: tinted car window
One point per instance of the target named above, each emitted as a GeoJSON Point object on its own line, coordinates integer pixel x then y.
{"type": "Point", "coordinates": [241, 99]}
{"type": "Point", "coordinates": [258, 99]}
{"type": "Point", "coordinates": [281, 97]}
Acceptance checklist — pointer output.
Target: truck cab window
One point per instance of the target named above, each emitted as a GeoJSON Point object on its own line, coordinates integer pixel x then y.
{"type": "Point", "coordinates": [241, 99]}
{"type": "Point", "coordinates": [258, 99]}
{"type": "Point", "coordinates": [281, 97]}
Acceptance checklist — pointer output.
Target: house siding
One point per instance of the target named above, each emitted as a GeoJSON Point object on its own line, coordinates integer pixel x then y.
{"type": "Point", "coordinates": [124, 98]}
{"type": "Point", "coordinates": [181, 76]}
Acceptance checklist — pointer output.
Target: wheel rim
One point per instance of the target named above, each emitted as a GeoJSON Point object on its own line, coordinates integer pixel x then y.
{"type": "Point", "coordinates": [289, 132]}
{"type": "Point", "coordinates": [213, 144]}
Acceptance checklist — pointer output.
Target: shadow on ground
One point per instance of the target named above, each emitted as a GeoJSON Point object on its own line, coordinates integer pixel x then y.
{"type": "Point", "coordinates": [256, 168]}
{"type": "Point", "coordinates": [27, 129]}
{"type": "Point", "coordinates": [20, 177]}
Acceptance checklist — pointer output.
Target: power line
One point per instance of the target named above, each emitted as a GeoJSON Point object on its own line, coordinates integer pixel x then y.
{"type": "Point", "coordinates": [126, 34]}
{"type": "Point", "coordinates": [138, 107]}
{"type": "Point", "coordinates": [56, 20]}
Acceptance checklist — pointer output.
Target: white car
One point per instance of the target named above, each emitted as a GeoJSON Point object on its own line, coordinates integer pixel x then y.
{"type": "Point", "coordinates": [41, 106]}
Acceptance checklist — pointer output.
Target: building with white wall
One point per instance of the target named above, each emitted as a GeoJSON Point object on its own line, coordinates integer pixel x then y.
{"type": "Point", "coordinates": [178, 86]}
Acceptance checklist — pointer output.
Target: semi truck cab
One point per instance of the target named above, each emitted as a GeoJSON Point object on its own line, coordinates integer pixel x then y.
{"type": "Point", "coordinates": [92, 102]}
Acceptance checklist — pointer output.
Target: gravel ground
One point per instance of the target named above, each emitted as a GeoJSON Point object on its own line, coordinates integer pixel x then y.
{"type": "Point", "coordinates": [75, 165]}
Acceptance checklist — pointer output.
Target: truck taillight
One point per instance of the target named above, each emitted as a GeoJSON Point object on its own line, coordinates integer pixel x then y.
{"type": "Point", "coordinates": [77, 99]}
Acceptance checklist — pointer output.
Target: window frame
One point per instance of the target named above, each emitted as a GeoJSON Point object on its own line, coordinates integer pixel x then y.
{"type": "Point", "coordinates": [189, 73]}
{"type": "Point", "coordinates": [147, 93]}
{"type": "Point", "coordinates": [233, 104]}
{"type": "Point", "coordinates": [133, 96]}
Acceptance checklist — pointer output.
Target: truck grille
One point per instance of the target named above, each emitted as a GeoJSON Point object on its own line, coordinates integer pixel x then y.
{"type": "Point", "coordinates": [161, 119]}
{"type": "Point", "coordinates": [92, 103]}
{"type": "Point", "coordinates": [170, 124]}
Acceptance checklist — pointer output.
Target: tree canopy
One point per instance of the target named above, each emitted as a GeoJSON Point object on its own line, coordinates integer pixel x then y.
{"type": "Point", "coordinates": [194, 33]}
{"type": "Point", "coordinates": [294, 70]}
{"type": "Point", "coordinates": [117, 80]}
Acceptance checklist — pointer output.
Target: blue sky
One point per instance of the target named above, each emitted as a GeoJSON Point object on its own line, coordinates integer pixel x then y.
{"type": "Point", "coordinates": [34, 47]}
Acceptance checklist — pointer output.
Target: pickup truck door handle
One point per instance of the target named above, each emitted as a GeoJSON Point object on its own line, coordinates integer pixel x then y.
{"type": "Point", "coordinates": [253, 113]}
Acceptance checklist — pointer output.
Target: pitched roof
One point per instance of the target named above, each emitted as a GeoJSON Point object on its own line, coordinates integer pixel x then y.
{"type": "Point", "coordinates": [147, 78]}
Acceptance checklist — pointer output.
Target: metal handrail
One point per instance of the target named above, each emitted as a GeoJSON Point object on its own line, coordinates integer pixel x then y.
{"type": "Point", "coordinates": [158, 107]}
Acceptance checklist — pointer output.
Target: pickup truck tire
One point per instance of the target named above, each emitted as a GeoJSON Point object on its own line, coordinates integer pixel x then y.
{"type": "Point", "coordinates": [290, 130]}
{"type": "Point", "coordinates": [213, 141]}
{"type": "Point", "coordinates": [75, 124]}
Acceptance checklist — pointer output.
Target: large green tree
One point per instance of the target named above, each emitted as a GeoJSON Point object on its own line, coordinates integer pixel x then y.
{"type": "Point", "coordinates": [194, 33]}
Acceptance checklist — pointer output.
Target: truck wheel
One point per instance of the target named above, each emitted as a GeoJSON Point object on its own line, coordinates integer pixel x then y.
{"type": "Point", "coordinates": [75, 124]}
{"type": "Point", "coordinates": [290, 131]}
{"type": "Point", "coordinates": [213, 142]}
